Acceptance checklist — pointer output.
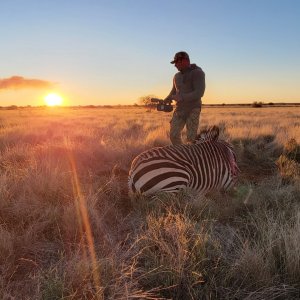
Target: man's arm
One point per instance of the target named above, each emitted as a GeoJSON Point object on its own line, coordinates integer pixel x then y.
{"type": "Point", "coordinates": [169, 98]}
{"type": "Point", "coordinates": [198, 85]}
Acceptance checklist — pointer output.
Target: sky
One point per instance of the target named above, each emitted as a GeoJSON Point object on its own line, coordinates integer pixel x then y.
{"type": "Point", "coordinates": [98, 52]}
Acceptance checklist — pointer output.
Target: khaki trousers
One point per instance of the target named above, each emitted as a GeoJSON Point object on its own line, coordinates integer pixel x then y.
{"type": "Point", "coordinates": [179, 120]}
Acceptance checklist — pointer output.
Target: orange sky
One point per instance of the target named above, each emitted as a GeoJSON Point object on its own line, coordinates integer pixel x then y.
{"type": "Point", "coordinates": [110, 52]}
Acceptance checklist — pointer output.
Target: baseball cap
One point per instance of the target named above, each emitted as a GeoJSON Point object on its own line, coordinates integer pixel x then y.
{"type": "Point", "coordinates": [180, 55]}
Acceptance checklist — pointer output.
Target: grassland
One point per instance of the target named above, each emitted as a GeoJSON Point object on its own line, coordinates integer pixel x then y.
{"type": "Point", "coordinates": [69, 231]}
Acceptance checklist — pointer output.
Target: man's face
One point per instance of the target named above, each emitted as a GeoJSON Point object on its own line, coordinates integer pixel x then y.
{"type": "Point", "coordinates": [182, 63]}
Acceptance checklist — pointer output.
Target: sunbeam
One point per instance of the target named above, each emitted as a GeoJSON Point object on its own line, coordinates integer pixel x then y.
{"type": "Point", "coordinates": [84, 222]}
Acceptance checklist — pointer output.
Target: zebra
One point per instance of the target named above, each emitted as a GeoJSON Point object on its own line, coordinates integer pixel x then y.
{"type": "Point", "coordinates": [207, 164]}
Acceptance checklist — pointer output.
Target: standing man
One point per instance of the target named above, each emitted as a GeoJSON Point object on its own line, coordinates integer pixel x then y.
{"type": "Point", "coordinates": [188, 88]}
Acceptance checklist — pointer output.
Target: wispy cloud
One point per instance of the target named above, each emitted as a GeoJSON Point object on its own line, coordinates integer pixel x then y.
{"type": "Point", "coordinates": [19, 82]}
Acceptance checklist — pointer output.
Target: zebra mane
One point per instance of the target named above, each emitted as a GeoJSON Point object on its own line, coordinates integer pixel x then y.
{"type": "Point", "coordinates": [208, 134]}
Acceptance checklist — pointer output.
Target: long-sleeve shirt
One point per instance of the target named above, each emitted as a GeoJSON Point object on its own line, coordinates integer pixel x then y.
{"type": "Point", "coordinates": [190, 85]}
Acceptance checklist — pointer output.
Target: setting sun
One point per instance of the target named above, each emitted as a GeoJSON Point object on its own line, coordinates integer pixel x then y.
{"type": "Point", "coordinates": [53, 99]}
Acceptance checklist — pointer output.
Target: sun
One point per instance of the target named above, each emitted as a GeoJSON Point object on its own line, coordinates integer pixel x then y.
{"type": "Point", "coordinates": [53, 100]}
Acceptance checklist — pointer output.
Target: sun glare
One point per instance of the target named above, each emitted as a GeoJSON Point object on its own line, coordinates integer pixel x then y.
{"type": "Point", "coordinates": [53, 100]}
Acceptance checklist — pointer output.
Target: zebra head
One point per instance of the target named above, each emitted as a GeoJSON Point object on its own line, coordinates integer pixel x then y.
{"type": "Point", "coordinates": [208, 134]}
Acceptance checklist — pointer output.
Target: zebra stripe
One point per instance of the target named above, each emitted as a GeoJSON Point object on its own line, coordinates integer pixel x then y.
{"type": "Point", "coordinates": [208, 164]}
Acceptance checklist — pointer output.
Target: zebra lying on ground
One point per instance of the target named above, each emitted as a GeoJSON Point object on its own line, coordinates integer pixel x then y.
{"type": "Point", "coordinates": [208, 164]}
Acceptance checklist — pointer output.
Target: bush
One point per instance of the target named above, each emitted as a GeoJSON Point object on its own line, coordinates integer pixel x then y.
{"type": "Point", "coordinates": [257, 104]}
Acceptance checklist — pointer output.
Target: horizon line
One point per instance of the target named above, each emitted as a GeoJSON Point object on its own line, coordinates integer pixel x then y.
{"type": "Point", "coordinates": [255, 103]}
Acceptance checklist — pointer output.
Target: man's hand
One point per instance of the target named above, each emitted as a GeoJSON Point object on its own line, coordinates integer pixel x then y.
{"type": "Point", "coordinates": [176, 97]}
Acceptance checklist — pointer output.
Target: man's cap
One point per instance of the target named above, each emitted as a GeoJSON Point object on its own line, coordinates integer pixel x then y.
{"type": "Point", "coordinates": [180, 55]}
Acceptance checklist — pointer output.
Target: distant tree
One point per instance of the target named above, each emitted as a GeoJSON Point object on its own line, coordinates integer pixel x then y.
{"type": "Point", "coordinates": [257, 104]}
{"type": "Point", "coordinates": [12, 107]}
{"type": "Point", "coordinates": [146, 100]}
{"type": "Point", "coordinates": [270, 103]}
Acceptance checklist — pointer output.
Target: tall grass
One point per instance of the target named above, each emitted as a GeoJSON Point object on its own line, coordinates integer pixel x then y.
{"type": "Point", "coordinates": [68, 229]}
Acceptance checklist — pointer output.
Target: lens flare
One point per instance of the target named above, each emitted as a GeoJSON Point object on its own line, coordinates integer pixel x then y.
{"type": "Point", "coordinates": [84, 223]}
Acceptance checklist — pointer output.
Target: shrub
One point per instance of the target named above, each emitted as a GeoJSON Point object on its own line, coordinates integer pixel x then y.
{"type": "Point", "coordinates": [257, 104]}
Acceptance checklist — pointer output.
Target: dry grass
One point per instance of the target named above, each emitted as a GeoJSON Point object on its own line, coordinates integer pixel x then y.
{"type": "Point", "coordinates": [69, 231]}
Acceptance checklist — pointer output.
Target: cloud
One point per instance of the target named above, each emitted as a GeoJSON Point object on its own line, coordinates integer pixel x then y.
{"type": "Point", "coordinates": [18, 82]}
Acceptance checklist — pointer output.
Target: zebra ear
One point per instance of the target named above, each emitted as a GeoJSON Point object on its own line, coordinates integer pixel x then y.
{"type": "Point", "coordinates": [203, 132]}
{"type": "Point", "coordinates": [198, 139]}
{"type": "Point", "coordinates": [214, 133]}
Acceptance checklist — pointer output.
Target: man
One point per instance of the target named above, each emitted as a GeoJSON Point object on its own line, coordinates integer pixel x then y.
{"type": "Point", "coordinates": [188, 88]}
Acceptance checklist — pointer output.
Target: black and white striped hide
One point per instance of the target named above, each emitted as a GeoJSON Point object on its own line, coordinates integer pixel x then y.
{"type": "Point", "coordinates": [209, 164]}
